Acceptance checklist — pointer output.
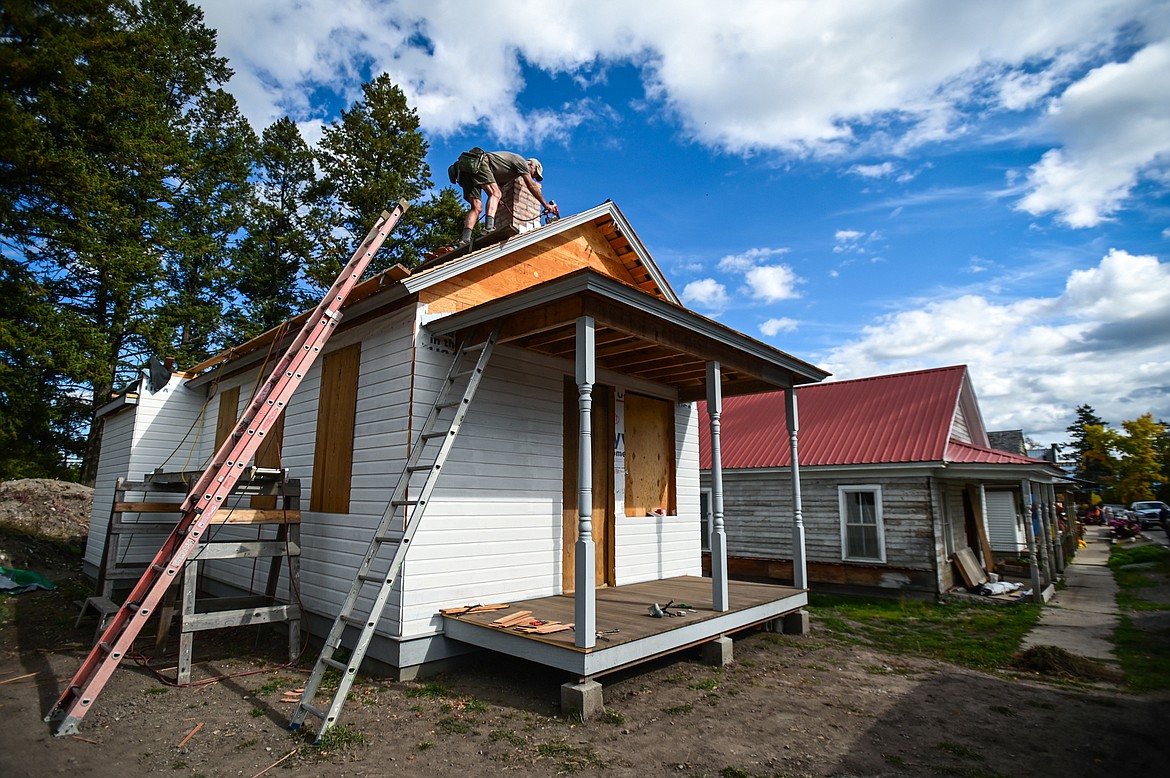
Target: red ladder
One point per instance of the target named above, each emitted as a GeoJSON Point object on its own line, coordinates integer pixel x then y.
{"type": "Point", "coordinates": [214, 486]}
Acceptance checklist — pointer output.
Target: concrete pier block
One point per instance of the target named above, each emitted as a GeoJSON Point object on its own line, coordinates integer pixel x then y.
{"type": "Point", "coordinates": [581, 701]}
{"type": "Point", "coordinates": [795, 623]}
{"type": "Point", "coordinates": [718, 652]}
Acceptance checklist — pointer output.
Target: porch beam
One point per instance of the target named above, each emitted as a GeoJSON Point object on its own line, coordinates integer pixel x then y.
{"type": "Point", "coordinates": [799, 558]}
{"type": "Point", "coordinates": [719, 598]}
{"type": "Point", "coordinates": [584, 572]}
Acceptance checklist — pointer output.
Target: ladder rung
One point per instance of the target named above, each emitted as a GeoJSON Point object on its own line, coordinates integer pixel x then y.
{"type": "Point", "coordinates": [355, 622]}
{"type": "Point", "coordinates": [314, 710]}
{"type": "Point", "coordinates": [433, 435]}
{"type": "Point", "coordinates": [370, 578]}
{"type": "Point", "coordinates": [400, 503]}
{"type": "Point", "coordinates": [454, 404]}
{"type": "Point", "coordinates": [333, 663]}
{"type": "Point", "coordinates": [463, 373]}
{"type": "Point", "coordinates": [387, 539]}
{"type": "Point", "coordinates": [421, 468]}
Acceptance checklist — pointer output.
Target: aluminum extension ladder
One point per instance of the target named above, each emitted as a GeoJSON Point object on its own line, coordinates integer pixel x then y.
{"type": "Point", "coordinates": [211, 490]}
{"type": "Point", "coordinates": [442, 428]}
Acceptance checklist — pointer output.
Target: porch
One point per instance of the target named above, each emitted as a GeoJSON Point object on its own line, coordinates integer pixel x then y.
{"type": "Point", "coordinates": [626, 632]}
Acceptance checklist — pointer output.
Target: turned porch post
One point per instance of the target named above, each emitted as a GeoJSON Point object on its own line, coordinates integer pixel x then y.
{"type": "Point", "coordinates": [1030, 534]}
{"type": "Point", "coordinates": [584, 573]}
{"type": "Point", "coordinates": [799, 564]}
{"type": "Point", "coordinates": [718, 532]}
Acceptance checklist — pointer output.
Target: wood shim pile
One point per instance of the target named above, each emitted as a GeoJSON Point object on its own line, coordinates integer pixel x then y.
{"type": "Point", "coordinates": [520, 621]}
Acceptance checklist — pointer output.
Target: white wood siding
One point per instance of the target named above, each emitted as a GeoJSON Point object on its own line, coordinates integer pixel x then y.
{"type": "Point", "coordinates": [113, 463]}
{"type": "Point", "coordinates": [333, 545]}
{"type": "Point", "coordinates": [159, 431]}
{"type": "Point", "coordinates": [492, 532]}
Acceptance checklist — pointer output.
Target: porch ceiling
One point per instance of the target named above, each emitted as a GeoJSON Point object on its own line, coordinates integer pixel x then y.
{"type": "Point", "coordinates": [636, 335]}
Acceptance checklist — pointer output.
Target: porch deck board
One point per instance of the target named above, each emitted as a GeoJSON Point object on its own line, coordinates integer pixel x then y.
{"type": "Point", "coordinates": [639, 636]}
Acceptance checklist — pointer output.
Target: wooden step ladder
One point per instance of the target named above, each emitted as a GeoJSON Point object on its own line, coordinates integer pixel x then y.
{"type": "Point", "coordinates": [405, 509]}
{"type": "Point", "coordinates": [215, 486]}
{"type": "Point", "coordinates": [127, 541]}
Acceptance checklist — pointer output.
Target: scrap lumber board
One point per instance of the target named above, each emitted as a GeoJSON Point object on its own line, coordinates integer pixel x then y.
{"type": "Point", "coordinates": [969, 567]}
{"type": "Point", "coordinates": [473, 609]}
{"type": "Point", "coordinates": [515, 618]}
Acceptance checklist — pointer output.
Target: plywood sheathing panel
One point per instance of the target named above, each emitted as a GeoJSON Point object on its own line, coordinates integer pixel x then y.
{"type": "Point", "coordinates": [649, 438]}
{"type": "Point", "coordinates": [528, 266]}
{"type": "Point", "coordinates": [336, 412]}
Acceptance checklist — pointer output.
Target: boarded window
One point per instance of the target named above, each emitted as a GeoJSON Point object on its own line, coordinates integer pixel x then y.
{"type": "Point", "coordinates": [649, 439]}
{"type": "Point", "coordinates": [229, 414]}
{"type": "Point", "coordinates": [336, 410]}
{"type": "Point", "coordinates": [861, 523]}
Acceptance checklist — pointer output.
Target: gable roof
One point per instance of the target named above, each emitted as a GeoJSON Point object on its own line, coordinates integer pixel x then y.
{"type": "Point", "coordinates": [899, 418]}
{"type": "Point", "coordinates": [626, 256]}
{"type": "Point", "coordinates": [607, 218]}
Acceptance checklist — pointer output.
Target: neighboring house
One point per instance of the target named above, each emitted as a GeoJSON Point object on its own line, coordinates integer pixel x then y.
{"type": "Point", "coordinates": [896, 477]}
{"type": "Point", "coordinates": [595, 353]}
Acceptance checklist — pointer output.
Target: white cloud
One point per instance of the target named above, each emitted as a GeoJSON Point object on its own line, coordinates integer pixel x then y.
{"type": "Point", "coordinates": [853, 241]}
{"type": "Point", "coordinates": [772, 283]}
{"type": "Point", "coordinates": [706, 293]}
{"type": "Point", "coordinates": [807, 78]}
{"type": "Point", "coordinates": [873, 171]}
{"type": "Point", "coordinates": [1033, 361]}
{"type": "Point", "coordinates": [1115, 127]}
{"type": "Point", "coordinates": [774, 327]}
{"type": "Point", "coordinates": [739, 263]}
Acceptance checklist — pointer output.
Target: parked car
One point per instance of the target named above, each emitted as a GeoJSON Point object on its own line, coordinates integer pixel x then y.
{"type": "Point", "coordinates": [1111, 512]}
{"type": "Point", "coordinates": [1146, 512]}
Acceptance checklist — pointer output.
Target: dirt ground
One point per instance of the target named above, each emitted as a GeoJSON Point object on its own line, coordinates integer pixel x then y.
{"type": "Point", "coordinates": [788, 706]}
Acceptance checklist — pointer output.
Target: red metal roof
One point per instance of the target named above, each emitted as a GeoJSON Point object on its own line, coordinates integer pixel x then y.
{"type": "Point", "coordinates": [904, 417]}
{"type": "Point", "coordinates": [957, 451]}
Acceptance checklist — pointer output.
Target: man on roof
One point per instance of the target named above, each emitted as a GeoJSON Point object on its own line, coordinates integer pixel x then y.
{"type": "Point", "coordinates": [479, 170]}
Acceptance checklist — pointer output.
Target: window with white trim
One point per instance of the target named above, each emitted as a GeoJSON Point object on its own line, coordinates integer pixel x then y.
{"type": "Point", "coordinates": [862, 533]}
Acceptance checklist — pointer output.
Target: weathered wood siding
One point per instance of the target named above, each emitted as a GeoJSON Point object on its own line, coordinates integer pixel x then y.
{"type": "Point", "coordinates": [757, 508]}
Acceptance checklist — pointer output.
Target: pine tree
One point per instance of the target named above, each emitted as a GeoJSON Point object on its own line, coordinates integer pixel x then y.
{"type": "Point", "coordinates": [93, 100]}
{"type": "Point", "coordinates": [270, 263]}
{"type": "Point", "coordinates": [1092, 464]}
{"type": "Point", "coordinates": [209, 207]}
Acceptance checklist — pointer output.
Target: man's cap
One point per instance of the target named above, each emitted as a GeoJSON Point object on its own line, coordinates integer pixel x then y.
{"type": "Point", "coordinates": [537, 168]}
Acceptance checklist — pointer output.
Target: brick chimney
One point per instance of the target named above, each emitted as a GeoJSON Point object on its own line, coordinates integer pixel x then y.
{"type": "Point", "coordinates": [518, 208]}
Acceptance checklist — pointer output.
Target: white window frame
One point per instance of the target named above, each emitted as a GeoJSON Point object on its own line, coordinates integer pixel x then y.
{"type": "Point", "coordinates": [843, 493]}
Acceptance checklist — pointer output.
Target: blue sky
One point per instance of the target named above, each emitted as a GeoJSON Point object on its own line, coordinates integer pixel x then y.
{"type": "Point", "coordinates": [872, 187]}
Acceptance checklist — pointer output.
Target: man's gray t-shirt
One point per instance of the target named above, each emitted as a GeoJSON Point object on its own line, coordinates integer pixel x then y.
{"type": "Point", "coordinates": [498, 166]}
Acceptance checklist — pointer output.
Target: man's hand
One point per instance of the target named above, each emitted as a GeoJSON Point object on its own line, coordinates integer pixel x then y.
{"type": "Point", "coordinates": [553, 209]}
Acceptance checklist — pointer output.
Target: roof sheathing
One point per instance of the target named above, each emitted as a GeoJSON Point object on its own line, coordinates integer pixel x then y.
{"type": "Point", "coordinates": [607, 218]}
